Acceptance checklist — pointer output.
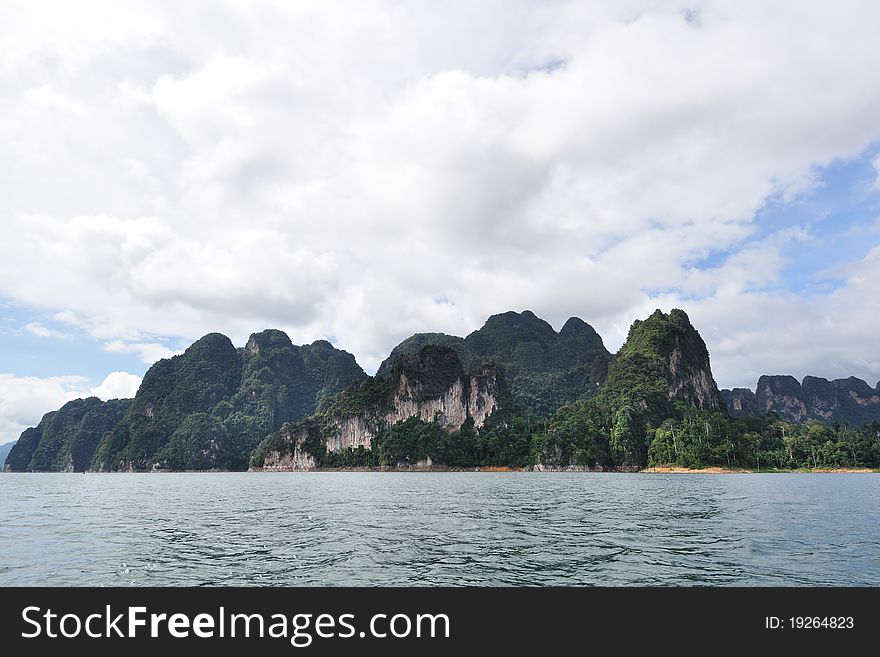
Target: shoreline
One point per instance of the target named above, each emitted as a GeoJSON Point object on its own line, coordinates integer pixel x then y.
{"type": "Point", "coordinates": [675, 469]}
{"type": "Point", "coordinates": [577, 469]}
{"type": "Point", "coordinates": [666, 469]}
{"type": "Point", "coordinates": [392, 469]}
{"type": "Point", "coordinates": [660, 469]}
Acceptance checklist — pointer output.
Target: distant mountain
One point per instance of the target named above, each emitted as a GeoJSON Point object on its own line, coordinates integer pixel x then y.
{"type": "Point", "coordinates": [544, 369]}
{"type": "Point", "coordinates": [205, 409]}
{"type": "Point", "coordinates": [515, 393]}
{"type": "Point", "coordinates": [65, 440]}
{"type": "Point", "coordinates": [209, 407]}
{"type": "Point", "coordinates": [850, 401]}
{"type": "Point", "coordinates": [461, 402]}
{"type": "Point", "coordinates": [4, 451]}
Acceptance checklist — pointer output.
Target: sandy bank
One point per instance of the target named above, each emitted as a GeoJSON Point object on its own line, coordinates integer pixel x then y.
{"type": "Point", "coordinates": [667, 469]}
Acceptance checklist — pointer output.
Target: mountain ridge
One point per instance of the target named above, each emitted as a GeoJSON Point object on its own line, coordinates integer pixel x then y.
{"type": "Point", "coordinates": [64, 440]}
{"type": "Point", "coordinates": [204, 409]}
{"type": "Point", "coordinates": [514, 393]}
{"type": "Point", "coordinates": [663, 365]}
{"type": "Point", "coordinates": [5, 448]}
{"type": "Point", "coordinates": [850, 400]}
{"type": "Point", "coordinates": [545, 368]}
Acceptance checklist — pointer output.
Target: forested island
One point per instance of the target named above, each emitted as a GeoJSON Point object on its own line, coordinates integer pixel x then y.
{"type": "Point", "coordinates": [513, 394]}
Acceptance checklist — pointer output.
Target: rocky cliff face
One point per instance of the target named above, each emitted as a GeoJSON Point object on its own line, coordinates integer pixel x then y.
{"type": "Point", "coordinates": [468, 397]}
{"type": "Point", "coordinates": [449, 401]}
{"type": "Point", "coordinates": [843, 400]}
{"type": "Point", "coordinates": [664, 361]}
{"type": "Point", "coordinates": [693, 382]}
{"type": "Point", "coordinates": [430, 385]}
{"type": "Point", "coordinates": [293, 455]}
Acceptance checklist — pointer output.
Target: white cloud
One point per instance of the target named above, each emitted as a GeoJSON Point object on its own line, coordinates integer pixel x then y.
{"type": "Point", "coordinates": [116, 337]}
{"type": "Point", "coordinates": [750, 333]}
{"type": "Point", "coordinates": [25, 399]}
{"type": "Point", "coordinates": [332, 171]}
{"type": "Point", "coordinates": [36, 328]}
{"type": "Point", "coordinates": [149, 352]}
{"type": "Point", "coordinates": [117, 385]}
{"type": "Point", "coordinates": [45, 97]}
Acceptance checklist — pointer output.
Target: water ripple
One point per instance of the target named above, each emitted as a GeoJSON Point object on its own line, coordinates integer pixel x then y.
{"type": "Point", "coordinates": [439, 529]}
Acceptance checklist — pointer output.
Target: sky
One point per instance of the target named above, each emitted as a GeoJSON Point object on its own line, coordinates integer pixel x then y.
{"type": "Point", "coordinates": [359, 172]}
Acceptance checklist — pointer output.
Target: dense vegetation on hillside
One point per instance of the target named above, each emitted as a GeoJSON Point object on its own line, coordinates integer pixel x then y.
{"type": "Point", "coordinates": [660, 373]}
{"type": "Point", "coordinates": [545, 369]}
{"type": "Point", "coordinates": [415, 441]}
{"type": "Point", "coordinates": [557, 401]}
{"type": "Point", "coordinates": [658, 406]}
{"type": "Point", "coordinates": [65, 439]}
{"type": "Point", "coordinates": [580, 433]}
{"type": "Point", "coordinates": [635, 422]}
{"type": "Point", "coordinates": [209, 407]}
{"type": "Point", "coordinates": [766, 442]}
{"type": "Point", "coordinates": [206, 374]}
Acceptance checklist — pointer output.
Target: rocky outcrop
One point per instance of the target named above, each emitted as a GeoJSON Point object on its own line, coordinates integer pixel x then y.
{"type": "Point", "coordinates": [292, 456]}
{"type": "Point", "coordinates": [468, 396]}
{"type": "Point", "coordinates": [693, 382]}
{"type": "Point", "coordinates": [485, 392]}
{"type": "Point", "coordinates": [851, 400]}
{"type": "Point", "coordinates": [430, 385]}
{"type": "Point", "coordinates": [350, 432]}
{"type": "Point", "coordinates": [540, 467]}
{"type": "Point", "coordinates": [449, 409]}
{"type": "Point", "coordinates": [663, 362]}
{"type": "Point", "coordinates": [473, 397]}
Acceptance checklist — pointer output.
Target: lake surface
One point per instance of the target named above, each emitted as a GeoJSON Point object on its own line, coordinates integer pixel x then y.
{"type": "Point", "coordinates": [439, 528]}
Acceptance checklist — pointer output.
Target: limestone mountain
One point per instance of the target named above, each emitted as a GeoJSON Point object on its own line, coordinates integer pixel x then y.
{"type": "Point", "coordinates": [205, 409]}
{"type": "Point", "coordinates": [172, 390]}
{"type": "Point", "coordinates": [4, 452]}
{"type": "Point", "coordinates": [660, 371]}
{"type": "Point", "coordinates": [209, 407]}
{"type": "Point", "coordinates": [429, 392]}
{"type": "Point", "coordinates": [464, 401]}
{"type": "Point", "coordinates": [850, 401]}
{"type": "Point", "coordinates": [65, 440]}
{"type": "Point", "coordinates": [544, 369]}
{"type": "Point", "coordinates": [664, 361]}
{"type": "Point", "coordinates": [515, 393]}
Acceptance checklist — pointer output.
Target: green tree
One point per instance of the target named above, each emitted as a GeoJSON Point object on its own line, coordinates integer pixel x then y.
{"type": "Point", "coordinates": [628, 449]}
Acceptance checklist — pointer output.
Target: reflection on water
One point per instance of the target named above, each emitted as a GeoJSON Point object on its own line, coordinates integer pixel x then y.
{"type": "Point", "coordinates": [449, 528]}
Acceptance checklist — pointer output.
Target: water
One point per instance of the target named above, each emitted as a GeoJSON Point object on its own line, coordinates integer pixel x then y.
{"type": "Point", "coordinates": [431, 529]}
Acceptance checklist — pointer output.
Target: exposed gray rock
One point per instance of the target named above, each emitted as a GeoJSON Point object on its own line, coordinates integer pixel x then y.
{"type": "Point", "coordinates": [850, 400]}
